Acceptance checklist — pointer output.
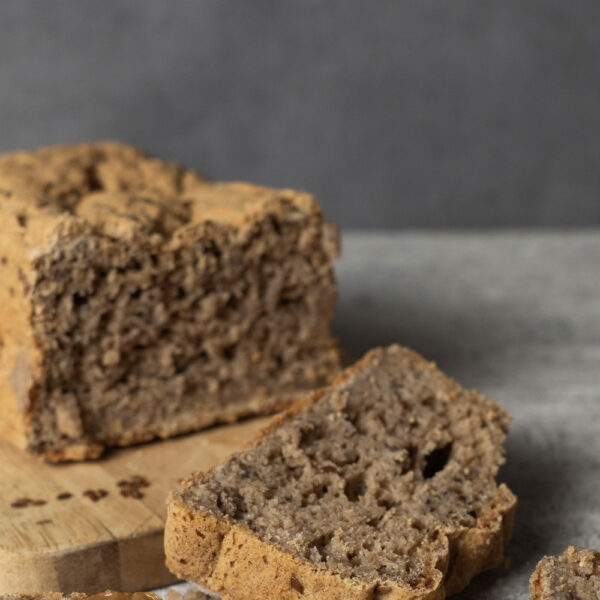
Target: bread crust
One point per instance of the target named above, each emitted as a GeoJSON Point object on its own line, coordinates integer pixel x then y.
{"type": "Point", "coordinates": [203, 548]}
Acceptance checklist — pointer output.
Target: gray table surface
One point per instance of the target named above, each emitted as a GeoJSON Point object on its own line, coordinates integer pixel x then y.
{"type": "Point", "coordinates": [516, 315]}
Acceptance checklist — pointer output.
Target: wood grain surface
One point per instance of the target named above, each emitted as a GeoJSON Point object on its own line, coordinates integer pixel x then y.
{"type": "Point", "coordinates": [70, 528]}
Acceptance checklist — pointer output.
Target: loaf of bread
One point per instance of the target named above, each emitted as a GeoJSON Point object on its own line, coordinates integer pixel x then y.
{"type": "Point", "coordinates": [379, 486]}
{"type": "Point", "coordinates": [573, 576]}
{"type": "Point", "coordinates": [138, 300]}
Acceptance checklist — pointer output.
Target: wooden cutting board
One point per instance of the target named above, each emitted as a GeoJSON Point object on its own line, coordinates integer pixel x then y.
{"type": "Point", "coordinates": [59, 532]}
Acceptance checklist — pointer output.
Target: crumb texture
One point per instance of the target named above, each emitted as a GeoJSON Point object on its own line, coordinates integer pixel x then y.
{"type": "Point", "coordinates": [575, 575]}
{"type": "Point", "coordinates": [385, 480]}
{"type": "Point", "coordinates": [155, 302]}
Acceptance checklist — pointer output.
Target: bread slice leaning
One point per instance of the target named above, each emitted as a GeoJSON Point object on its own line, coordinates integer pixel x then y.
{"type": "Point", "coordinates": [380, 486]}
{"type": "Point", "coordinates": [573, 575]}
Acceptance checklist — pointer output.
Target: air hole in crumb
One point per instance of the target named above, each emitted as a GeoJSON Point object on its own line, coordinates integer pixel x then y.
{"type": "Point", "coordinates": [412, 459]}
{"type": "Point", "coordinates": [211, 248]}
{"type": "Point", "coordinates": [384, 503]}
{"type": "Point", "coordinates": [311, 433]}
{"type": "Point", "coordinates": [436, 460]}
{"type": "Point", "coordinates": [320, 544]}
{"type": "Point", "coordinates": [427, 401]}
{"type": "Point", "coordinates": [22, 220]}
{"type": "Point", "coordinates": [381, 590]}
{"type": "Point", "coordinates": [320, 491]}
{"type": "Point", "coordinates": [473, 514]}
{"type": "Point", "coordinates": [355, 488]}
{"type": "Point", "coordinates": [229, 352]}
{"type": "Point", "coordinates": [274, 455]}
{"type": "Point", "coordinates": [79, 300]}
{"type": "Point", "coordinates": [136, 293]}
{"type": "Point", "coordinates": [275, 224]}
{"type": "Point", "coordinates": [93, 180]}
{"type": "Point", "coordinates": [232, 302]}
{"type": "Point", "coordinates": [374, 521]}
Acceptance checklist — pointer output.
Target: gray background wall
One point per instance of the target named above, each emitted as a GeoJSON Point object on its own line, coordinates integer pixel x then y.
{"type": "Point", "coordinates": [396, 113]}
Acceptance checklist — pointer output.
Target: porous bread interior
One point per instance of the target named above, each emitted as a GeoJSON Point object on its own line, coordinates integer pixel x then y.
{"type": "Point", "coordinates": [371, 480]}
{"type": "Point", "coordinates": [575, 574]}
{"type": "Point", "coordinates": [151, 320]}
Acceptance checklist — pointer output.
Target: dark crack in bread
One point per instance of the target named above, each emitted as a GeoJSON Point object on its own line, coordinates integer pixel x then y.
{"type": "Point", "coordinates": [379, 486]}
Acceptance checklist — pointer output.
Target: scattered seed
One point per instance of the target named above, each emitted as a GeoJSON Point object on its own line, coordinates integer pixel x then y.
{"type": "Point", "coordinates": [296, 584]}
{"type": "Point", "coordinates": [44, 522]}
{"type": "Point", "coordinates": [131, 488]}
{"type": "Point", "coordinates": [25, 502]}
{"type": "Point", "coordinates": [64, 496]}
{"type": "Point", "coordinates": [95, 495]}
{"type": "Point", "coordinates": [21, 503]}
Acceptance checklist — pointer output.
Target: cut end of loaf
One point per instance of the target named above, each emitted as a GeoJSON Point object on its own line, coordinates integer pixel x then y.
{"type": "Point", "coordinates": [382, 485]}
{"type": "Point", "coordinates": [144, 302]}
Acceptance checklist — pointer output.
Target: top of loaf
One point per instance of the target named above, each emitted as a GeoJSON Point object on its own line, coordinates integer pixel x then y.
{"type": "Point", "coordinates": [119, 190]}
{"type": "Point", "coordinates": [575, 574]}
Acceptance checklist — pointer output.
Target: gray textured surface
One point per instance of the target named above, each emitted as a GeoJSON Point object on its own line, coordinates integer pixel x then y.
{"type": "Point", "coordinates": [399, 113]}
{"type": "Point", "coordinates": [518, 317]}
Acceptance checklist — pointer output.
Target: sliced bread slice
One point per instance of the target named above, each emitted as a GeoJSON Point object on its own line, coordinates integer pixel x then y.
{"type": "Point", "coordinates": [574, 575]}
{"type": "Point", "coordinates": [379, 486]}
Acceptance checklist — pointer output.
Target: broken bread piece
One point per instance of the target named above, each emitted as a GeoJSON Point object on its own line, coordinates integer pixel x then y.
{"type": "Point", "coordinates": [573, 575]}
{"type": "Point", "coordinates": [139, 301]}
{"type": "Point", "coordinates": [379, 486]}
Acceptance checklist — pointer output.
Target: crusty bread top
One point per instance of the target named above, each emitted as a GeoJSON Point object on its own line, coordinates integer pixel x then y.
{"type": "Point", "coordinates": [575, 575]}
{"type": "Point", "coordinates": [372, 477]}
{"type": "Point", "coordinates": [119, 190]}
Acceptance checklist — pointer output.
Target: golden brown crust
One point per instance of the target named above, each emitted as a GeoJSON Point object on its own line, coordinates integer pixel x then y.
{"type": "Point", "coordinates": [203, 548]}
{"type": "Point", "coordinates": [261, 569]}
